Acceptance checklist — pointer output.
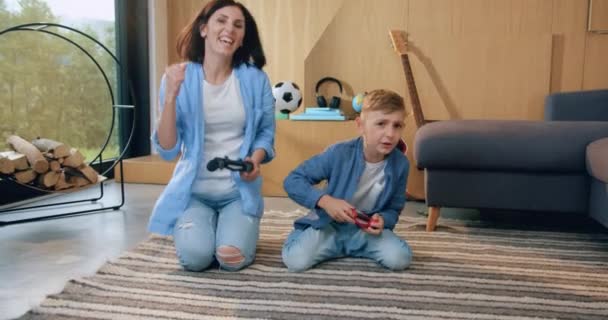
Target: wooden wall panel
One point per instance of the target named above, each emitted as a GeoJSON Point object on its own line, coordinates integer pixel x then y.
{"type": "Point", "coordinates": [482, 77]}
{"type": "Point", "coordinates": [596, 62]}
{"type": "Point", "coordinates": [289, 30]}
{"type": "Point", "coordinates": [356, 49]}
{"type": "Point", "coordinates": [598, 16]}
{"type": "Point", "coordinates": [596, 51]}
{"type": "Point", "coordinates": [497, 17]}
{"type": "Point", "coordinates": [471, 58]}
{"type": "Point", "coordinates": [568, 55]}
{"type": "Point", "coordinates": [179, 14]}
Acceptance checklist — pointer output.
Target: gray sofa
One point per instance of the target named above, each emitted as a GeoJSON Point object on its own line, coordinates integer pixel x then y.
{"type": "Point", "coordinates": [556, 165]}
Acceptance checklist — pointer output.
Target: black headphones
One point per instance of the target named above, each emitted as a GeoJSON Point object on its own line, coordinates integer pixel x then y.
{"type": "Point", "coordinates": [334, 103]}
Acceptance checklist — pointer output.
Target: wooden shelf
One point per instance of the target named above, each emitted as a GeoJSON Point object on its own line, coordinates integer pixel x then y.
{"type": "Point", "coordinates": [295, 141]}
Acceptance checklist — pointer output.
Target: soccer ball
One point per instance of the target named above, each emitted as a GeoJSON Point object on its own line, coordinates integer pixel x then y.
{"type": "Point", "coordinates": [287, 96]}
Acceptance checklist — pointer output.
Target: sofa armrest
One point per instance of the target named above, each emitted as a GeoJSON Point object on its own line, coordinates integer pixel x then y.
{"type": "Point", "coordinates": [597, 159]}
{"type": "Point", "coordinates": [577, 106]}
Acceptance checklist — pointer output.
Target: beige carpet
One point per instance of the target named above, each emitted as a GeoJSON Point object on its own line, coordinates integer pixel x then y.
{"type": "Point", "coordinates": [458, 273]}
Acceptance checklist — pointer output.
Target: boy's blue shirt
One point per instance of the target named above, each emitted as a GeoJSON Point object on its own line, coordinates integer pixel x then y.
{"type": "Point", "coordinates": [258, 101]}
{"type": "Point", "coordinates": [342, 165]}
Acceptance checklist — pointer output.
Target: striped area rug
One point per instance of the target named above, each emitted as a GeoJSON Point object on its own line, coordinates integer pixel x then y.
{"type": "Point", "coordinates": [458, 272]}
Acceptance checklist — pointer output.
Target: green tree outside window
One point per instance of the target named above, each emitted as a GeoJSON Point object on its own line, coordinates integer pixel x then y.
{"type": "Point", "coordinates": [49, 88]}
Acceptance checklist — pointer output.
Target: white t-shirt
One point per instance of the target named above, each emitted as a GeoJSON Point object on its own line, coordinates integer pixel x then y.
{"type": "Point", "coordinates": [370, 186]}
{"type": "Point", "coordinates": [224, 133]}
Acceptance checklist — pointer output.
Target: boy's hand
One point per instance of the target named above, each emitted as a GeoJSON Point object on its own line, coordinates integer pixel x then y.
{"type": "Point", "coordinates": [338, 209]}
{"type": "Point", "coordinates": [376, 226]}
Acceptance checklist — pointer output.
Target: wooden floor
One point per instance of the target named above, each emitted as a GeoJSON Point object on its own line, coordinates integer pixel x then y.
{"type": "Point", "coordinates": [37, 259]}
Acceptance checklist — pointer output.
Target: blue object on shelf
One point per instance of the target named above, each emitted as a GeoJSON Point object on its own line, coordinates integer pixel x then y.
{"type": "Point", "coordinates": [319, 114]}
{"type": "Point", "coordinates": [324, 111]}
{"type": "Point", "coordinates": [304, 116]}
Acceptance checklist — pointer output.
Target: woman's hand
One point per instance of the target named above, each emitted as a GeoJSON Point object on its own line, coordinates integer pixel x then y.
{"type": "Point", "coordinates": [256, 158]}
{"type": "Point", "coordinates": [338, 209]}
{"type": "Point", "coordinates": [376, 226]}
{"type": "Point", "coordinates": [167, 132]}
{"type": "Point", "coordinates": [253, 174]}
{"type": "Point", "coordinates": [174, 77]}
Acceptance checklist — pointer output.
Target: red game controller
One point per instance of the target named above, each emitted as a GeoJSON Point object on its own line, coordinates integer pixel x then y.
{"type": "Point", "coordinates": [362, 220]}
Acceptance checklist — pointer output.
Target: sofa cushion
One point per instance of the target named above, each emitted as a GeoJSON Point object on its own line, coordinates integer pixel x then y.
{"type": "Point", "coordinates": [507, 145]}
{"type": "Point", "coordinates": [597, 159]}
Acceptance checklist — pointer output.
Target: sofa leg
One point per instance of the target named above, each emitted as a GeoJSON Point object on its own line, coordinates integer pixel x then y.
{"type": "Point", "coordinates": [432, 220]}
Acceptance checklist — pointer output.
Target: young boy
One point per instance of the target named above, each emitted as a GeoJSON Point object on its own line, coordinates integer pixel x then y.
{"type": "Point", "coordinates": [367, 175]}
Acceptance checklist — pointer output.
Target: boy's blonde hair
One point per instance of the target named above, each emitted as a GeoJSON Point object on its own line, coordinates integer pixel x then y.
{"type": "Point", "coordinates": [383, 100]}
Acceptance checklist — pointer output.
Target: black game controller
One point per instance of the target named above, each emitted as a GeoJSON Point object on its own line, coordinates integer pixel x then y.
{"type": "Point", "coordinates": [226, 163]}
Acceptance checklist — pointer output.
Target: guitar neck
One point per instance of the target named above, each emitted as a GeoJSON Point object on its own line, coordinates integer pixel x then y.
{"type": "Point", "coordinates": [411, 85]}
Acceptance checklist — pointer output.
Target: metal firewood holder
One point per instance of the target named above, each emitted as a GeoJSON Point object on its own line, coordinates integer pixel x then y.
{"type": "Point", "coordinates": [44, 28]}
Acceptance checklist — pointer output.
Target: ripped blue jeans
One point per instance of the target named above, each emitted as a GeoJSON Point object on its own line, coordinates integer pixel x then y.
{"type": "Point", "coordinates": [208, 226]}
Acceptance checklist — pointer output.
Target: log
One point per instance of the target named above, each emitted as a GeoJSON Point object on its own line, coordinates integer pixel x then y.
{"type": "Point", "coordinates": [48, 179]}
{"type": "Point", "coordinates": [78, 181]}
{"type": "Point", "coordinates": [72, 172]}
{"type": "Point", "coordinates": [25, 176]}
{"type": "Point", "coordinates": [74, 160]}
{"type": "Point", "coordinates": [85, 172]}
{"type": "Point", "coordinates": [33, 155]}
{"type": "Point", "coordinates": [89, 173]}
{"type": "Point", "coordinates": [58, 149]}
{"type": "Point", "coordinates": [62, 183]}
{"type": "Point", "coordinates": [54, 165]}
{"type": "Point", "coordinates": [17, 159]}
{"type": "Point", "coordinates": [6, 165]}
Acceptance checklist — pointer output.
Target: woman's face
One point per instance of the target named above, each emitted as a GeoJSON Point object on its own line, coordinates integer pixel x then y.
{"type": "Point", "coordinates": [224, 32]}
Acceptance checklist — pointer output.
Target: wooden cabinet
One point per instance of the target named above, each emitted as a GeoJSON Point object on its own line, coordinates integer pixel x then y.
{"type": "Point", "coordinates": [296, 141]}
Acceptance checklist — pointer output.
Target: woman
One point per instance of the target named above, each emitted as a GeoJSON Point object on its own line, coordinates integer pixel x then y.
{"type": "Point", "coordinates": [217, 104]}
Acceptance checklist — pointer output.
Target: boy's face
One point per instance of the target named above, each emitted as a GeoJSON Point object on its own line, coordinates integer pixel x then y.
{"type": "Point", "coordinates": [381, 132]}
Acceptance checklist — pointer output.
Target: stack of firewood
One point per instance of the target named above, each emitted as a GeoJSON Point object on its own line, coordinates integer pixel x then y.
{"type": "Point", "coordinates": [46, 163]}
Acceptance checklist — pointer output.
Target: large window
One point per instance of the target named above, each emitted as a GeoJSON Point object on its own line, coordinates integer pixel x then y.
{"type": "Point", "coordinates": [49, 87]}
